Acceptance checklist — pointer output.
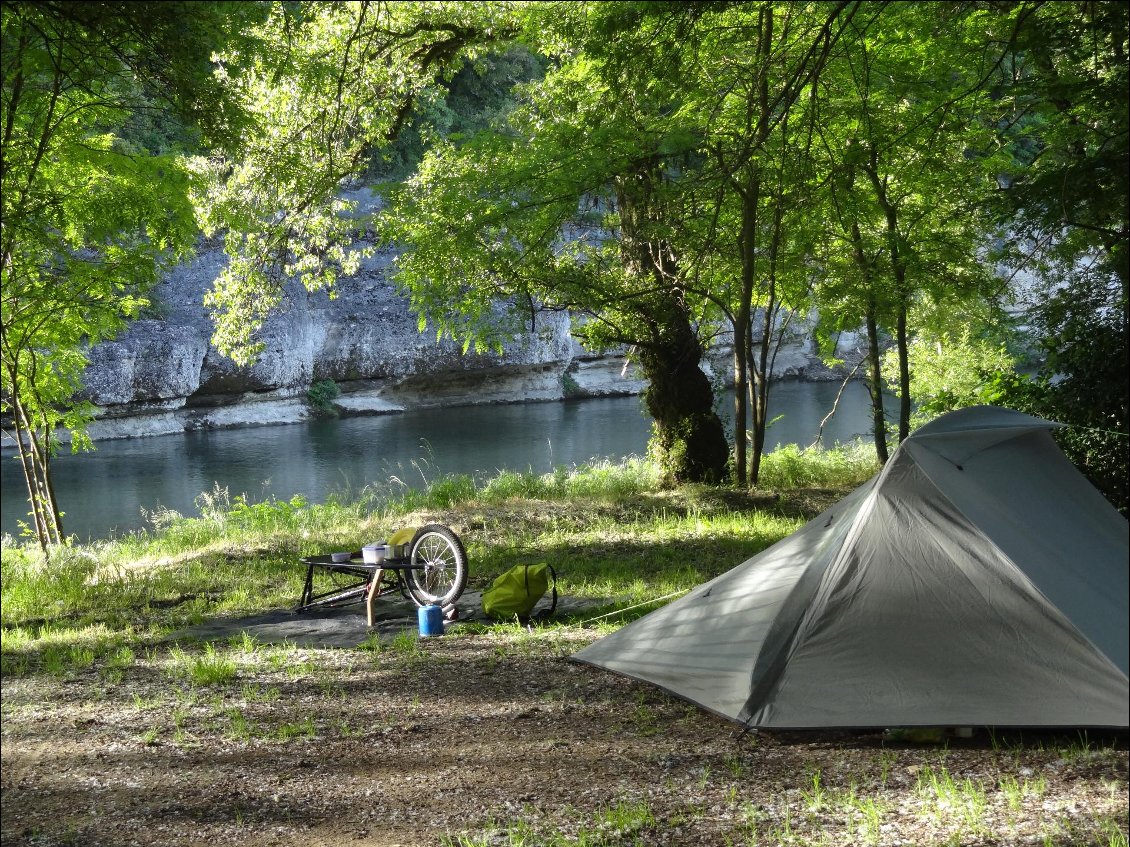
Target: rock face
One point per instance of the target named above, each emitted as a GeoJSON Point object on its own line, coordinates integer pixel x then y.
{"type": "Point", "coordinates": [162, 376]}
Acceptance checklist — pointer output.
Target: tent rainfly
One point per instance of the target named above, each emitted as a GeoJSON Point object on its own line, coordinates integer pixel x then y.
{"type": "Point", "coordinates": [977, 580]}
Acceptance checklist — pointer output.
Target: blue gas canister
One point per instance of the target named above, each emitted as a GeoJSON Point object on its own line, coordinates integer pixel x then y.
{"type": "Point", "coordinates": [431, 620]}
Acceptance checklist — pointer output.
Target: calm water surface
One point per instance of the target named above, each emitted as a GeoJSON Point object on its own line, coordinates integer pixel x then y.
{"type": "Point", "coordinates": [109, 491]}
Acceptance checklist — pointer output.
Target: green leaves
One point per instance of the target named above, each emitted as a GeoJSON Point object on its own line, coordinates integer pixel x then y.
{"type": "Point", "coordinates": [954, 370]}
{"type": "Point", "coordinates": [329, 84]}
{"type": "Point", "coordinates": [90, 218]}
{"type": "Point", "coordinates": [679, 165]}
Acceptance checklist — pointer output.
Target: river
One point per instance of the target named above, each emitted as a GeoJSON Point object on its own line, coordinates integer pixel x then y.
{"type": "Point", "coordinates": [108, 492]}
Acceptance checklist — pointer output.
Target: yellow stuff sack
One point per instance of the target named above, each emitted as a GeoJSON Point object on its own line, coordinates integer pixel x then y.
{"type": "Point", "coordinates": [515, 593]}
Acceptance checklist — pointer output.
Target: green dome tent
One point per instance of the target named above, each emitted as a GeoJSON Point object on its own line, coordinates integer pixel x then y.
{"type": "Point", "coordinates": [977, 580]}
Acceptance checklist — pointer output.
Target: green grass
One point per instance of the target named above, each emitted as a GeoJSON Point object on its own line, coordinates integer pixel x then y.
{"type": "Point", "coordinates": [791, 466]}
{"type": "Point", "coordinates": [612, 534]}
{"type": "Point", "coordinates": [607, 527]}
{"type": "Point", "coordinates": [610, 531]}
{"type": "Point", "coordinates": [208, 668]}
{"type": "Point", "coordinates": [1016, 791]}
{"type": "Point", "coordinates": [625, 823]}
{"type": "Point", "coordinates": [962, 799]}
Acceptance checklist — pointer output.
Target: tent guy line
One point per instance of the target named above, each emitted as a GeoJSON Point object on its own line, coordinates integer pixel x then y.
{"type": "Point", "coordinates": [612, 614]}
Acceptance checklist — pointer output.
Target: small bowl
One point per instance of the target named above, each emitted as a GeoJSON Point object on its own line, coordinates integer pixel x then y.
{"type": "Point", "coordinates": [340, 557]}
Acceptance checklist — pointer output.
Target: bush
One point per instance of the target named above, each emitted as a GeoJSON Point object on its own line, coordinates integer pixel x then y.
{"type": "Point", "coordinates": [951, 371]}
{"type": "Point", "coordinates": [321, 396]}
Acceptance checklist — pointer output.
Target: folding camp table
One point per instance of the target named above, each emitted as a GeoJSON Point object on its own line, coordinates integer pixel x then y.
{"type": "Point", "coordinates": [433, 572]}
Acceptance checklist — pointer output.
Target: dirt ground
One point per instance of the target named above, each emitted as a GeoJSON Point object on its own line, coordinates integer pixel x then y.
{"type": "Point", "coordinates": [498, 739]}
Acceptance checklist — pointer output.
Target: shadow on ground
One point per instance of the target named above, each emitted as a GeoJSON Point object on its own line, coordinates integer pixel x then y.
{"type": "Point", "coordinates": [346, 625]}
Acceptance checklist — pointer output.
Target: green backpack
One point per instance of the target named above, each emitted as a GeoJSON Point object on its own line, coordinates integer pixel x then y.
{"type": "Point", "coordinates": [515, 593]}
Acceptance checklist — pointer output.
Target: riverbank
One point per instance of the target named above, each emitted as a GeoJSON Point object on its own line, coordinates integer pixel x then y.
{"type": "Point", "coordinates": [591, 377]}
{"type": "Point", "coordinates": [117, 487]}
{"type": "Point", "coordinates": [117, 730]}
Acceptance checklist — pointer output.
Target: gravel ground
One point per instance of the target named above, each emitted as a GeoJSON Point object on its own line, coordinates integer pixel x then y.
{"type": "Point", "coordinates": [497, 738]}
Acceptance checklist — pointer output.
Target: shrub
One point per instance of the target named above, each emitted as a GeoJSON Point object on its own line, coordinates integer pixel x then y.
{"type": "Point", "coordinates": [321, 396]}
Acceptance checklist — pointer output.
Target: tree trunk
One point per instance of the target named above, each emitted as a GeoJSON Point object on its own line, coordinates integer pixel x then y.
{"type": "Point", "coordinates": [741, 379]}
{"type": "Point", "coordinates": [743, 332]}
{"type": "Point", "coordinates": [874, 369]}
{"type": "Point", "coordinates": [758, 400]}
{"type": "Point", "coordinates": [898, 269]}
{"type": "Point", "coordinates": [34, 458]}
{"type": "Point", "coordinates": [761, 368]}
{"type": "Point", "coordinates": [875, 386]}
{"type": "Point", "coordinates": [33, 448]}
{"type": "Point", "coordinates": [904, 372]}
{"type": "Point", "coordinates": [766, 353]}
{"type": "Point", "coordinates": [688, 438]}
{"type": "Point", "coordinates": [759, 388]}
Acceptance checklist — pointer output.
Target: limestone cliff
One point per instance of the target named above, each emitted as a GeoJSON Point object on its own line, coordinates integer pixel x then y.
{"type": "Point", "coordinates": [161, 375]}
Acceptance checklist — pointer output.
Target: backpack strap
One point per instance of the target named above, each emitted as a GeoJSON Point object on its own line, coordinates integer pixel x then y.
{"type": "Point", "coordinates": [545, 613]}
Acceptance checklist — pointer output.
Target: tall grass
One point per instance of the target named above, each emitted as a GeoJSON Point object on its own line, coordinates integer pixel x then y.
{"type": "Point", "coordinates": [791, 466]}
{"type": "Point", "coordinates": [30, 585]}
{"type": "Point", "coordinates": [224, 517]}
{"type": "Point", "coordinates": [605, 480]}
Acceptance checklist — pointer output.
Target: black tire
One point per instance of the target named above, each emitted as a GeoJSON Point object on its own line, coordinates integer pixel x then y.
{"type": "Point", "coordinates": [444, 573]}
